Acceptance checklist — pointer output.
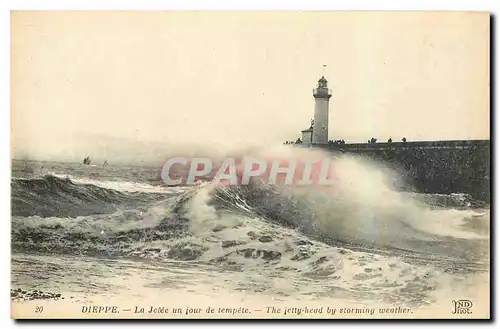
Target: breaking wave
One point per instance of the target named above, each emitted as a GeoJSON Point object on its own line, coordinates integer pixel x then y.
{"type": "Point", "coordinates": [62, 197]}
{"type": "Point", "coordinates": [359, 233]}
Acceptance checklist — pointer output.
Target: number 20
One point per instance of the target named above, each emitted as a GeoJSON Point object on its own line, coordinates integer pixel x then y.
{"type": "Point", "coordinates": [38, 309]}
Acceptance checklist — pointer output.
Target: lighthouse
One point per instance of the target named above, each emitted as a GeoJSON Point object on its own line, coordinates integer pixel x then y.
{"type": "Point", "coordinates": [322, 100]}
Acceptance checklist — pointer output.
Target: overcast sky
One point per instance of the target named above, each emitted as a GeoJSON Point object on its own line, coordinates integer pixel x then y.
{"type": "Point", "coordinates": [120, 84]}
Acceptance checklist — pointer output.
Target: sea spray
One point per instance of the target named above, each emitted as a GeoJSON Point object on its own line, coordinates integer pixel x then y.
{"type": "Point", "coordinates": [357, 239]}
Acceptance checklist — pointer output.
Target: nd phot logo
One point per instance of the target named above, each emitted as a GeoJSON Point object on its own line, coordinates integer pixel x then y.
{"type": "Point", "coordinates": [462, 306]}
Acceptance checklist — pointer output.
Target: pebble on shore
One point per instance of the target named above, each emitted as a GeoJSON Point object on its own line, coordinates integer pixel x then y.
{"type": "Point", "coordinates": [20, 294]}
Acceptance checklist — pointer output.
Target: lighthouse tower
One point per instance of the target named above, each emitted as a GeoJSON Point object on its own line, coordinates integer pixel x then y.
{"type": "Point", "coordinates": [322, 99]}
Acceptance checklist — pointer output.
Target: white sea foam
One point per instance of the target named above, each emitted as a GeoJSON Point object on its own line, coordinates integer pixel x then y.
{"type": "Point", "coordinates": [124, 186]}
{"type": "Point", "coordinates": [230, 247]}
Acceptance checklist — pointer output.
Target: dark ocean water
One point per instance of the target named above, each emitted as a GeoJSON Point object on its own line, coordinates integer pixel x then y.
{"type": "Point", "coordinates": [83, 230]}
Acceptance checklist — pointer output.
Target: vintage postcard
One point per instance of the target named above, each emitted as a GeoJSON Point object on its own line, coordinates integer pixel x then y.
{"type": "Point", "coordinates": [289, 165]}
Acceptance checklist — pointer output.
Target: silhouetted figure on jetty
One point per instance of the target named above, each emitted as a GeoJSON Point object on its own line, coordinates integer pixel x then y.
{"type": "Point", "coordinates": [336, 142]}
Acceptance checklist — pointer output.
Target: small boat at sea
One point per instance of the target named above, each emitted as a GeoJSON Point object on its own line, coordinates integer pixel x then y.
{"type": "Point", "coordinates": [86, 160]}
